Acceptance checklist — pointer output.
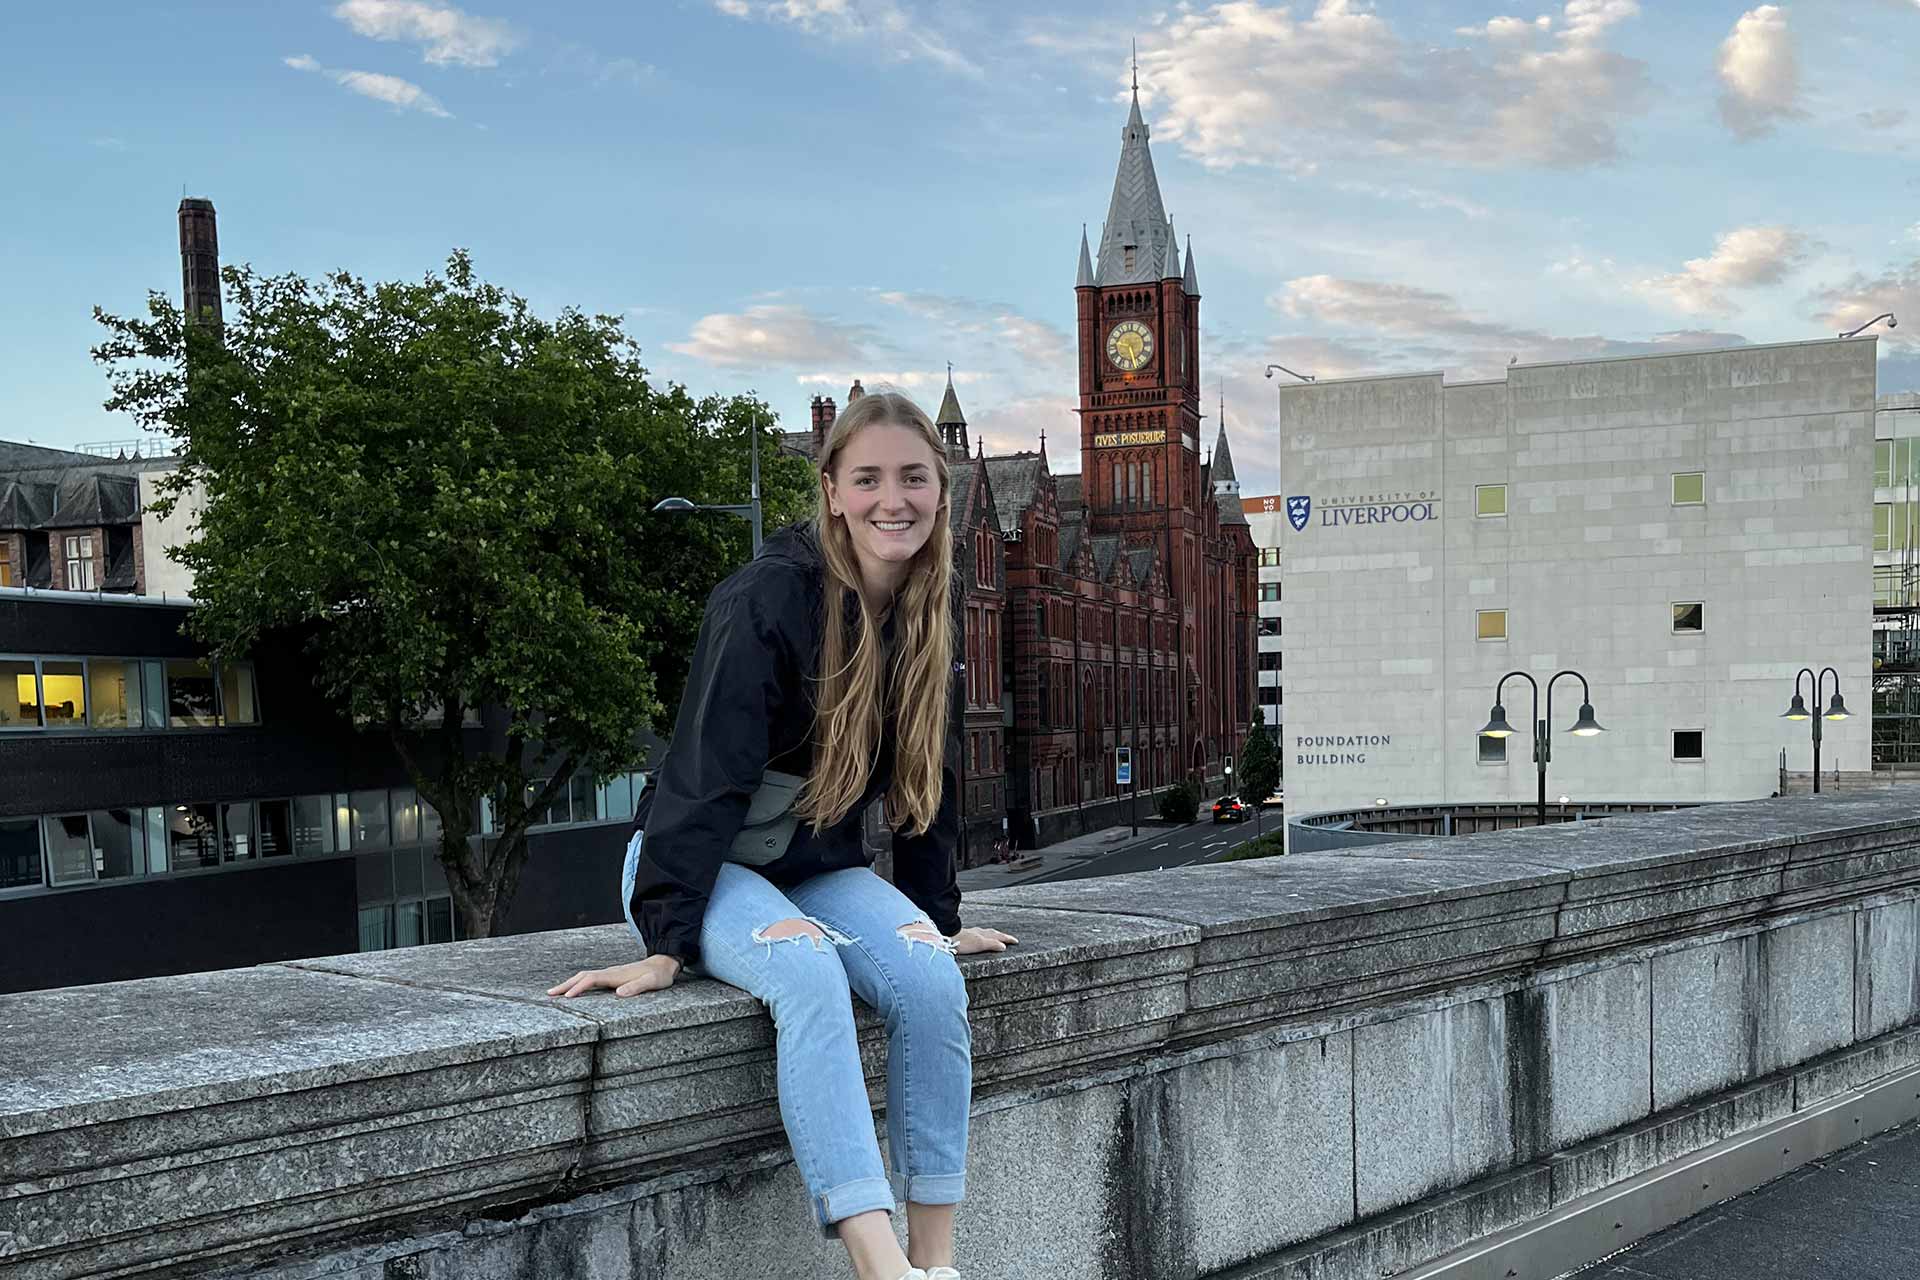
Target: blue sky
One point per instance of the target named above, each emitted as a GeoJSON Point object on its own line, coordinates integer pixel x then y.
{"type": "Point", "coordinates": [783, 194]}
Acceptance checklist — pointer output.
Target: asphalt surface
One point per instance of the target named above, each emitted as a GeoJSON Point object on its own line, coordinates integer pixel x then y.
{"type": "Point", "coordinates": [1855, 1214]}
{"type": "Point", "coordinates": [1161, 846]}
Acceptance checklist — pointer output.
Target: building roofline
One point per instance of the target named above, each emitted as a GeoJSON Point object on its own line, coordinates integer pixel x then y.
{"type": "Point", "coordinates": [51, 596]}
{"type": "Point", "coordinates": [1561, 364]}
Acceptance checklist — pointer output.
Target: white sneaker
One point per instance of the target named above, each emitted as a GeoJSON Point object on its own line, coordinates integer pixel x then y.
{"type": "Point", "coordinates": [914, 1274]}
{"type": "Point", "coordinates": [943, 1273]}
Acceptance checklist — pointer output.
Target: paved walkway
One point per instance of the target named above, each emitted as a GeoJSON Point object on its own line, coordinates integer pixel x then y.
{"type": "Point", "coordinates": [1852, 1216]}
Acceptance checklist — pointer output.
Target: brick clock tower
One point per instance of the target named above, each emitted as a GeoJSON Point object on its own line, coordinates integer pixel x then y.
{"type": "Point", "coordinates": [1139, 329]}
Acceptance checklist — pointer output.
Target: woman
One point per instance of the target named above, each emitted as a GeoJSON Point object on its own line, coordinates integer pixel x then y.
{"type": "Point", "coordinates": [845, 712]}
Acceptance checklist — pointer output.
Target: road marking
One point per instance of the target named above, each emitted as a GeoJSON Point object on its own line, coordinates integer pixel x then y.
{"type": "Point", "coordinates": [1163, 844]}
{"type": "Point", "coordinates": [1213, 844]}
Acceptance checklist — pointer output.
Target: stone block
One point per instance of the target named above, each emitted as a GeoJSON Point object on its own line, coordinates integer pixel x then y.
{"type": "Point", "coordinates": [1703, 1012]}
{"type": "Point", "coordinates": [1887, 967]}
{"type": "Point", "coordinates": [1431, 1108]}
{"type": "Point", "coordinates": [1805, 997]}
{"type": "Point", "coordinates": [1615, 1157]}
{"type": "Point", "coordinates": [1598, 1028]}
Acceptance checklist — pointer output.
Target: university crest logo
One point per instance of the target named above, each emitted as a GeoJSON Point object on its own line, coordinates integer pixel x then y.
{"type": "Point", "coordinates": [1297, 509]}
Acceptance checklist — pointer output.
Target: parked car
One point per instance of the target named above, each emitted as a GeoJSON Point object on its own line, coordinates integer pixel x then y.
{"type": "Point", "coordinates": [1229, 809]}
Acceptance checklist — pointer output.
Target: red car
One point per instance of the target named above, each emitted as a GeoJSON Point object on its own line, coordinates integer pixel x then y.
{"type": "Point", "coordinates": [1229, 809]}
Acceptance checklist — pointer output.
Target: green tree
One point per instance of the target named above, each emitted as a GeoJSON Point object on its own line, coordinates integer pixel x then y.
{"type": "Point", "coordinates": [1259, 768]}
{"type": "Point", "coordinates": [450, 499]}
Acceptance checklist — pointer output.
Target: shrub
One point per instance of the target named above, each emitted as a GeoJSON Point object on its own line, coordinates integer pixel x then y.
{"type": "Point", "coordinates": [1269, 845]}
{"type": "Point", "coordinates": [1180, 803]}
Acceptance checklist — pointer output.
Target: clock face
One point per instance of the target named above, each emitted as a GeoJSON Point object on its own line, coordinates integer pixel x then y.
{"type": "Point", "coordinates": [1129, 345]}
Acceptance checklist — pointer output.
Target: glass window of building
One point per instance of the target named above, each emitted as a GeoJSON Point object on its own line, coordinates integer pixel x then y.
{"type": "Point", "coordinates": [1689, 615]}
{"type": "Point", "coordinates": [429, 824]}
{"type": "Point", "coordinates": [1689, 488]}
{"type": "Point", "coordinates": [1492, 750]}
{"type": "Point", "coordinates": [1269, 695]}
{"type": "Point", "coordinates": [616, 797]}
{"type": "Point", "coordinates": [191, 698]}
{"type": "Point", "coordinates": [153, 693]}
{"type": "Point", "coordinates": [1489, 500]}
{"type": "Point", "coordinates": [63, 693]}
{"type": "Point", "coordinates": [113, 690]}
{"type": "Point", "coordinates": [312, 824]}
{"type": "Point", "coordinates": [1269, 591]}
{"type": "Point", "coordinates": [580, 790]}
{"type": "Point", "coordinates": [118, 840]}
{"type": "Point", "coordinates": [156, 838]}
{"type": "Point", "coordinates": [1689, 744]}
{"type": "Point", "coordinates": [439, 919]}
{"type": "Point", "coordinates": [275, 828]}
{"type": "Point", "coordinates": [376, 928]}
{"type": "Point", "coordinates": [1882, 463]}
{"type": "Point", "coordinates": [1490, 624]}
{"type": "Point", "coordinates": [406, 815]}
{"type": "Point", "coordinates": [69, 849]}
{"type": "Point", "coordinates": [19, 852]}
{"type": "Point", "coordinates": [370, 819]}
{"type": "Point", "coordinates": [79, 558]}
{"type": "Point", "coordinates": [6, 561]}
{"type": "Point", "coordinates": [1882, 526]}
{"type": "Point", "coordinates": [1269, 662]}
{"type": "Point", "coordinates": [237, 842]}
{"type": "Point", "coordinates": [193, 837]}
{"type": "Point", "coordinates": [237, 702]}
{"type": "Point", "coordinates": [19, 694]}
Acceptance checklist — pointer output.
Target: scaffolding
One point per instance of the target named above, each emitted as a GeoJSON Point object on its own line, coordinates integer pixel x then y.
{"type": "Point", "coordinates": [1896, 604]}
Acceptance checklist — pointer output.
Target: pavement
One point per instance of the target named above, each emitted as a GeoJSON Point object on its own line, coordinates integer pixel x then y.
{"type": "Point", "coordinates": [1117, 850]}
{"type": "Point", "coordinates": [1852, 1214]}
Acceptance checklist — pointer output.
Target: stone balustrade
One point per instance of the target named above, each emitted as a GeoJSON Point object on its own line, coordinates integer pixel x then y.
{"type": "Point", "coordinates": [1331, 1065]}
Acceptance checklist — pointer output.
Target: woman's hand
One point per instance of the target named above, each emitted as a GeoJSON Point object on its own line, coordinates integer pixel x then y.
{"type": "Point", "coordinates": [972, 941]}
{"type": "Point", "coordinates": [655, 973]}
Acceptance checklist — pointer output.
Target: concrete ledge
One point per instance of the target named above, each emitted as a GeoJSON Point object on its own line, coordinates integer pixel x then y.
{"type": "Point", "coordinates": [1368, 1059]}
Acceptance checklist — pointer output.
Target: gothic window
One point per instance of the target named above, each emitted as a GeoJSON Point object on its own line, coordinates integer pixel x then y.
{"type": "Point", "coordinates": [1129, 257]}
{"type": "Point", "coordinates": [1146, 485]}
{"type": "Point", "coordinates": [1115, 500]}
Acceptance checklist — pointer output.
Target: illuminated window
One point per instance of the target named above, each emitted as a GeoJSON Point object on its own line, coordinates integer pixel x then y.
{"type": "Point", "coordinates": [1491, 624]}
{"type": "Point", "coordinates": [237, 703]}
{"type": "Point", "coordinates": [63, 693]}
{"type": "Point", "coordinates": [1489, 500]}
{"type": "Point", "coordinates": [6, 561]}
{"type": "Point", "coordinates": [113, 688]}
{"type": "Point", "coordinates": [19, 694]}
{"type": "Point", "coordinates": [1689, 488]}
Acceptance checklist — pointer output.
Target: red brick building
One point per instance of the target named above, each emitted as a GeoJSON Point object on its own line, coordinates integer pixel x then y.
{"type": "Point", "coordinates": [1114, 607]}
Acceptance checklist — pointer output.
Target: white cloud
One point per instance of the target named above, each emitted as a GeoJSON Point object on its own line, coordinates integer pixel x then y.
{"type": "Point", "coordinates": [1034, 342]}
{"type": "Point", "coordinates": [903, 36]}
{"type": "Point", "coordinates": [1433, 330]}
{"type": "Point", "coordinates": [446, 35]}
{"type": "Point", "coordinates": [1245, 82]}
{"type": "Point", "coordinates": [1741, 259]}
{"type": "Point", "coordinates": [392, 90]}
{"type": "Point", "coordinates": [774, 334]}
{"type": "Point", "coordinates": [1759, 74]}
{"type": "Point", "coordinates": [1419, 197]}
{"type": "Point", "coordinates": [1884, 117]}
{"type": "Point", "coordinates": [909, 380]}
{"type": "Point", "coordinates": [1861, 297]}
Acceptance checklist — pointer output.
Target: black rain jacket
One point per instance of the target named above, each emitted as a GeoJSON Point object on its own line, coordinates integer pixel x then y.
{"type": "Point", "coordinates": [749, 707]}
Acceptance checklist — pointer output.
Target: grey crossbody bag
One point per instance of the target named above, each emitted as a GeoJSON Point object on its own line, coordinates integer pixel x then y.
{"type": "Point", "coordinates": [768, 831]}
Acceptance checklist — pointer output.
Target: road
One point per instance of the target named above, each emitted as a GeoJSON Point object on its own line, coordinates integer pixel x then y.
{"type": "Point", "coordinates": [1201, 841]}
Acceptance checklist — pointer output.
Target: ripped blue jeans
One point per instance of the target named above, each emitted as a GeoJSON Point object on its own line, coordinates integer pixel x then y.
{"type": "Point", "coordinates": [803, 952]}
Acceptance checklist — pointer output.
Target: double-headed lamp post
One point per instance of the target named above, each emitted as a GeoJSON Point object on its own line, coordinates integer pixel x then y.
{"type": "Point", "coordinates": [748, 511]}
{"type": "Point", "coordinates": [1797, 710]}
{"type": "Point", "coordinates": [1583, 727]}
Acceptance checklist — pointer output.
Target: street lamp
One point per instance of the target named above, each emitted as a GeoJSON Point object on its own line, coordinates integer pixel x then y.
{"type": "Point", "coordinates": [1304, 377]}
{"type": "Point", "coordinates": [748, 511]}
{"type": "Point", "coordinates": [1584, 725]}
{"type": "Point", "coordinates": [1891, 324]}
{"type": "Point", "coordinates": [1797, 710]}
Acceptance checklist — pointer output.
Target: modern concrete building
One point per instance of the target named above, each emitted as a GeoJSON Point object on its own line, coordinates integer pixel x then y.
{"type": "Point", "coordinates": [1687, 531]}
{"type": "Point", "coordinates": [1267, 521]}
{"type": "Point", "coordinates": [1896, 582]}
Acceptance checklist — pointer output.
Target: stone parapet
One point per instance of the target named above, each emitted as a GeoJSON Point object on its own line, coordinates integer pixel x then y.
{"type": "Point", "coordinates": [1329, 1062]}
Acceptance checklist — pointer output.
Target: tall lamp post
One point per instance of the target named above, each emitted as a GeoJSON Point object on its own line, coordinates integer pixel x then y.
{"type": "Point", "coordinates": [1797, 710]}
{"type": "Point", "coordinates": [1585, 726]}
{"type": "Point", "coordinates": [748, 511]}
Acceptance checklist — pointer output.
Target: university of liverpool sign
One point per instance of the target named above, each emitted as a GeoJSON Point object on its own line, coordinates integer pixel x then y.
{"type": "Point", "coordinates": [1113, 438]}
{"type": "Point", "coordinates": [1381, 508]}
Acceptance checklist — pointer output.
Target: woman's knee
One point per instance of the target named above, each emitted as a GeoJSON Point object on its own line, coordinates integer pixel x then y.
{"type": "Point", "coordinates": [927, 975]}
{"type": "Point", "coordinates": [800, 964]}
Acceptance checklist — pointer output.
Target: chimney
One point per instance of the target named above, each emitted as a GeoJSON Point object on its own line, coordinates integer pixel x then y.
{"type": "Point", "coordinates": [855, 391]}
{"type": "Point", "coordinates": [199, 261]}
{"type": "Point", "coordinates": [823, 416]}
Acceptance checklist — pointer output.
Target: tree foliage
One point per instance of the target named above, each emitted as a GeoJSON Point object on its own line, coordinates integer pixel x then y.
{"type": "Point", "coordinates": [1259, 768]}
{"type": "Point", "coordinates": [450, 498]}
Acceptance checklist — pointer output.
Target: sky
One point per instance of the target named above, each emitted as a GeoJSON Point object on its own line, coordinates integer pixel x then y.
{"type": "Point", "coordinates": [782, 195]}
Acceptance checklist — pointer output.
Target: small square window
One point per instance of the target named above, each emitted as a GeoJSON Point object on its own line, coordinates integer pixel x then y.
{"type": "Point", "coordinates": [1689, 744]}
{"type": "Point", "coordinates": [1489, 500]}
{"type": "Point", "coordinates": [1493, 750]}
{"type": "Point", "coordinates": [1689, 615]}
{"type": "Point", "coordinates": [1689, 488]}
{"type": "Point", "coordinates": [1491, 624]}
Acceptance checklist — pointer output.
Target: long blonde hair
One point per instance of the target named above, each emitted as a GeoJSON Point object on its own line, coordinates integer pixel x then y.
{"type": "Point", "coordinates": [854, 691]}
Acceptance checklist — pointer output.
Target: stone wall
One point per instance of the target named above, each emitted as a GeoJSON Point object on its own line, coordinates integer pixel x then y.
{"type": "Point", "coordinates": [1332, 1065]}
